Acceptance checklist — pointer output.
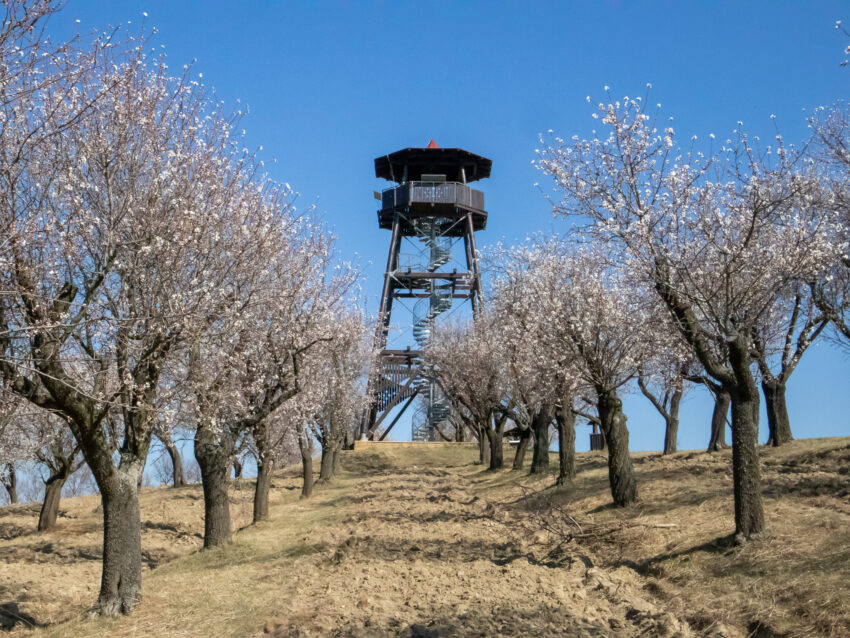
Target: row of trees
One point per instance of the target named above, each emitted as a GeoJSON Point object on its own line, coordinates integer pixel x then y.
{"type": "Point", "coordinates": [717, 267]}
{"type": "Point", "coordinates": [153, 279]}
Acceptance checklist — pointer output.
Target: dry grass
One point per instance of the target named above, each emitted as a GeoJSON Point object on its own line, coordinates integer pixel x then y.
{"type": "Point", "coordinates": [793, 582]}
{"type": "Point", "coordinates": [418, 539]}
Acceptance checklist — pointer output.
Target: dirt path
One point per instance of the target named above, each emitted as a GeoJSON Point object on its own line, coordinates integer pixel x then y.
{"type": "Point", "coordinates": [417, 553]}
{"type": "Point", "coordinates": [417, 540]}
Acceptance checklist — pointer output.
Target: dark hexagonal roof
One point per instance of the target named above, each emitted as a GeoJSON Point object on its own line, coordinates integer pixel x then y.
{"type": "Point", "coordinates": [432, 160]}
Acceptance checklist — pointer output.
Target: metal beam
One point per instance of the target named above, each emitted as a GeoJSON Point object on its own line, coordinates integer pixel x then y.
{"type": "Point", "coordinates": [396, 399]}
{"type": "Point", "coordinates": [425, 295]}
{"type": "Point", "coordinates": [431, 275]}
{"type": "Point", "coordinates": [398, 416]}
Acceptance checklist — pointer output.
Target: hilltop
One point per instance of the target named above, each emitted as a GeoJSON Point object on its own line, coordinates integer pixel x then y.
{"type": "Point", "coordinates": [418, 540]}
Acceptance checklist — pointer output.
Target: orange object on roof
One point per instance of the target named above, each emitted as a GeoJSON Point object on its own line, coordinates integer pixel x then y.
{"type": "Point", "coordinates": [432, 144]}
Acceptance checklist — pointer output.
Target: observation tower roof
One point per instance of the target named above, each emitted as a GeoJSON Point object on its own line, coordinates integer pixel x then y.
{"type": "Point", "coordinates": [432, 160]}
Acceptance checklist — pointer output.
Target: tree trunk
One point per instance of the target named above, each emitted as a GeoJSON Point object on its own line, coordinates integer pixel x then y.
{"type": "Point", "coordinates": [566, 444]}
{"type": "Point", "coordinates": [540, 425]}
{"type": "Point", "coordinates": [121, 581]}
{"type": "Point", "coordinates": [497, 460]}
{"type": "Point", "coordinates": [722, 400]}
{"type": "Point", "coordinates": [522, 446]}
{"type": "Point", "coordinates": [213, 454]}
{"type": "Point", "coordinates": [261, 490]}
{"type": "Point", "coordinates": [337, 455]}
{"type": "Point", "coordinates": [178, 476]}
{"type": "Point", "coordinates": [460, 433]}
{"type": "Point", "coordinates": [621, 474]}
{"type": "Point", "coordinates": [326, 470]}
{"type": "Point", "coordinates": [237, 468]}
{"type": "Point", "coordinates": [483, 446]}
{"type": "Point", "coordinates": [307, 466]}
{"type": "Point", "coordinates": [11, 483]}
{"type": "Point", "coordinates": [52, 496]}
{"type": "Point", "coordinates": [671, 420]}
{"type": "Point", "coordinates": [746, 473]}
{"type": "Point", "coordinates": [777, 413]}
{"type": "Point", "coordinates": [671, 435]}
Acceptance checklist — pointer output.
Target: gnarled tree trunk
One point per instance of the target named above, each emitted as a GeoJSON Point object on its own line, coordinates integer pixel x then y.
{"type": "Point", "coordinates": [237, 468]}
{"type": "Point", "coordinates": [497, 460]}
{"type": "Point", "coordinates": [671, 420]}
{"type": "Point", "coordinates": [671, 435]}
{"type": "Point", "coordinates": [306, 466]}
{"type": "Point", "coordinates": [52, 496]}
{"type": "Point", "coordinates": [178, 476]}
{"type": "Point", "coordinates": [540, 426]}
{"type": "Point", "coordinates": [483, 446]}
{"type": "Point", "coordinates": [749, 511]}
{"type": "Point", "coordinates": [522, 446]}
{"type": "Point", "coordinates": [121, 581]}
{"type": "Point", "coordinates": [261, 490]}
{"type": "Point", "coordinates": [337, 455]}
{"type": "Point", "coordinates": [777, 413]}
{"type": "Point", "coordinates": [213, 454]}
{"type": "Point", "coordinates": [621, 474]}
{"type": "Point", "coordinates": [326, 469]}
{"type": "Point", "coordinates": [722, 401]}
{"type": "Point", "coordinates": [566, 421]}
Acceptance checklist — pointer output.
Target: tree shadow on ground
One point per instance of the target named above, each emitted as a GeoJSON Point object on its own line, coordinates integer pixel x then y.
{"type": "Point", "coordinates": [11, 616]}
{"type": "Point", "coordinates": [10, 531]}
{"type": "Point", "coordinates": [50, 552]}
{"type": "Point", "coordinates": [29, 509]}
{"type": "Point", "coordinates": [722, 545]}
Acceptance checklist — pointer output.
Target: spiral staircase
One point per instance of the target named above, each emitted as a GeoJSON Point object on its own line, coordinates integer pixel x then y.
{"type": "Point", "coordinates": [425, 311]}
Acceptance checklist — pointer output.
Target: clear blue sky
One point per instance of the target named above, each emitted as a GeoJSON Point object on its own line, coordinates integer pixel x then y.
{"type": "Point", "coordinates": [332, 85]}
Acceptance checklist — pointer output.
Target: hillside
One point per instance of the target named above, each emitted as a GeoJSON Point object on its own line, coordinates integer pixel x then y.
{"type": "Point", "coordinates": [419, 541]}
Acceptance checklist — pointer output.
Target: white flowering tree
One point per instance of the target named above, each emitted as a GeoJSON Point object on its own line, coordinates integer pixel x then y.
{"type": "Point", "coordinates": [327, 348]}
{"type": "Point", "coordinates": [663, 379]}
{"type": "Point", "coordinates": [600, 317]}
{"type": "Point", "coordinates": [58, 456]}
{"type": "Point", "coordinates": [244, 364]}
{"type": "Point", "coordinates": [719, 237]}
{"type": "Point", "coordinates": [540, 367]}
{"type": "Point", "coordinates": [831, 137]}
{"type": "Point", "coordinates": [15, 445]}
{"type": "Point", "coordinates": [40, 443]}
{"type": "Point", "coordinates": [469, 362]}
{"type": "Point", "coordinates": [121, 236]}
{"type": "Point", "coordinates": [791, 325]}
{"type": "Point", "coordinates": [339, 368]}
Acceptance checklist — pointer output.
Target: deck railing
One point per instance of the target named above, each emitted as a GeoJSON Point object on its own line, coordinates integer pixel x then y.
{"type": "Point", "coordinates": [432, 193]}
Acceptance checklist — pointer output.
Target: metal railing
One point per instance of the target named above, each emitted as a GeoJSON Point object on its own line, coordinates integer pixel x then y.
{"type": "Point", "coordinates": [432, 193]}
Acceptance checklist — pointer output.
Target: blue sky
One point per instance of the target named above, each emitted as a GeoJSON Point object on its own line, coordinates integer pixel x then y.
{"type": "Point", "coordinates": [332, 85]}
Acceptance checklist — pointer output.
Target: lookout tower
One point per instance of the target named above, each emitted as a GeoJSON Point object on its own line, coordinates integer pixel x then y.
{"type": "Point", "coordinates": [432, 207]}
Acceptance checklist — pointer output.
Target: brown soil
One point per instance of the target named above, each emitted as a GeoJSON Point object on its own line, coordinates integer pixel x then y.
{"type": "Point", "coordinates": [419, 541]}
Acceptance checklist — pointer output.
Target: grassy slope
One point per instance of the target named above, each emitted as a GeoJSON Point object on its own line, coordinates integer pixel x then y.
{"type": "Point", "coordinates": [414, 538]}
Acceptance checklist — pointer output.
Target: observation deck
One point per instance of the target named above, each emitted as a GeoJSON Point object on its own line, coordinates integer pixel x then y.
{"type": "Point", "coordinates": [452, 200]}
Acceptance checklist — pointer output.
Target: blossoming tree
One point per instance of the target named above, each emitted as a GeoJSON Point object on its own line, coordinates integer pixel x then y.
{"type": "Point", "coordinates": [719, 236]}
